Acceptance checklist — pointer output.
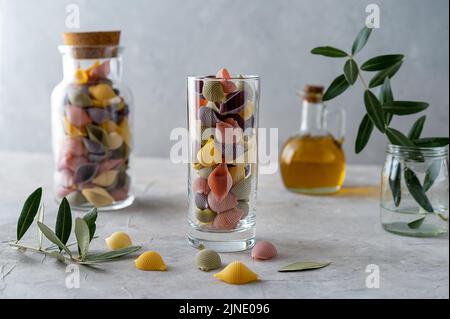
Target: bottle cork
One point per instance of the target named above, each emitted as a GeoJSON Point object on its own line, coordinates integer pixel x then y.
{"type": "Point", "coordinates": [91, 45]}
{"type": "Point", "coordinates": [313, 93]}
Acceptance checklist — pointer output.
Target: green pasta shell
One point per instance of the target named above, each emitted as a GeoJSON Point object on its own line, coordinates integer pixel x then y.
{"type": "Point", "coordinates": [78, 97]}
{"type": "Point", "coordinates": [213, 91]}
{"type": "Point", "coordinates": [242, 189]}
{"type": "Point", "coordinates": [205, 215]}
{"type": "Point", "coordinates": [207, 260]}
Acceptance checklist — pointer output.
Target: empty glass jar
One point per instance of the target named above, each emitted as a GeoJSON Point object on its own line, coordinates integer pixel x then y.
{"type": "Point", "coordinates": [91, 124]}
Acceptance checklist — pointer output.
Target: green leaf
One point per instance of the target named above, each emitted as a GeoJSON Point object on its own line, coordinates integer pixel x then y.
{"type": "Point", "coordinates": [53, 238]}
{"type": "Point", "coordinates": [416, 190]}
{"type": "Point", "coordinates": [82, 235]}
{"type": "Point", "coordinates": [40, 218]}
{"type": "Point", "coordinates": [337, 87]}
{"type": "Point", "coordinates": [305, 265]}
{"type": "Point", "coordinates": [398, 138]}
{"type": "Point", "coordinates": [395, 180]}
{"type": "Point", "coordinates": [432, 142]}
{"type": "Point", "coordinates": [374, 110]}
{"type": "Point", "coordinates": [351, 71]}
{"type": "Point", "coordinates": [90, 218]}
{"type": "Point", "coordinates": [379, 78]}
{"type": "Point", "coordinates": [112, 254]}
{"type": "Point", "coordinates": [417, 128]}
{"type": "Point", "coordinates": [404, 107]}
{"type": "Point", "coordinates": [58, 256]}
{"type": "Point", "coordinates": [329, 52]}
{"type": "Point", "coordinates": [361, 40]}
{"type": "Point", "coordinates": [364, 132]}
{"type": "Point", "coordinates": [386, 96]}
{"type": "Point", "coordinates": [63, 226]}
{"type": "Point", "coordinates": [29, 211]}
{"type": "Point", "coordinates": [381, 62]}
{"type": "Point", "coordinates": [416, 223]}
{"type": "Point", "coordinates": [431, 175]}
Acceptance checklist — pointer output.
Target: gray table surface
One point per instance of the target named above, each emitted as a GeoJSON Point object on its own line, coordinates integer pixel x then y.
{"type": "Point", "coordinates": [343, 229]}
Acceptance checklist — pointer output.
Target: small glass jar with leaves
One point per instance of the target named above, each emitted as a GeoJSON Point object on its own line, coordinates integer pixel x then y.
{"type": "Point", "coordinates": [415, 184]}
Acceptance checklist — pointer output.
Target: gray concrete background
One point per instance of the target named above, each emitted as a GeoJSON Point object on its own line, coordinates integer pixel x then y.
{"type": "Point", "coordinates": [167, 39]}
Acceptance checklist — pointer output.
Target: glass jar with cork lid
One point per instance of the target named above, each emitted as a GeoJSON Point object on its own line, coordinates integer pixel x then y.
{"type": "Point", "coordinates": [312, 161]}
{"type": "Point", "coordinates": [91, 123]}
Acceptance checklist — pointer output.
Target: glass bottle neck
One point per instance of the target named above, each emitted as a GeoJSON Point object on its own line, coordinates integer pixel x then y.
{"type": "Point", "coordinates": [313, 119]}
{"type": "Point", "coordinates": [71, 65]}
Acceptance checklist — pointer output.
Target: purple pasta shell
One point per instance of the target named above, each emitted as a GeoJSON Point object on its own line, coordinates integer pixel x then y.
{"type": "Point", "coordinates": [201, 201]}
{"type": "Point", "coordinates": [235, 117]}
{"type": "Point", "coordinates": [85, 173]}
{"type": "Point", "coordinates": [96, 158]}
{"type": "Point", "coordinates": [230, 151]}
{"type": "Point", "coordinates": [234, 104]}
{"type": "Point", "coordinates": [208, 117]}
{"type": "Point", "coordinates": [93, 147]}
{"type": "Point", "coordinates": [98, 115]}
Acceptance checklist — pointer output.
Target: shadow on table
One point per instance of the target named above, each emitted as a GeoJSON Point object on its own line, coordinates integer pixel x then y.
{"type": "Point", "coordinates": [359, 191]}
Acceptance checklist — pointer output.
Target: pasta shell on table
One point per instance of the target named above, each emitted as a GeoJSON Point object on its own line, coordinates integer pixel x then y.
{"type": "Point", "coordinates": [205, 215]}
{"type": "Point", "coordinates": [205, 171]}
{"type": "Point", "coordinates": [209, 155]}
{"type": "Point", "coordinates": [237, 173]}
{"type": "Point", "coordinates": [220, 182]}
{"type": "Point", "coordinates": [236, 273]}
{"type": "Point", "coordinates": [115, 140]}
{"type": "Point", "coordinates": [227, 203]}
{"type": "Point", "coordinates": [242, 190]}
{"type": "Point", "coordinates": [106, 178]}
{"type": "Point", "coordinates": [76, 199]}
{"type": "Point", "coordinates": [102, 92]}
{"type": "Point", "coordinates": [228, 220]}
{"type": "Point", "coordinates": [77, 116]}
{"type": "Point", "coordinates": [207, 260]}
{"type": "Point", "coordinates": [97, 196]}
{"type": "Point", "coordinates": [264, 250]}
{"type": "Point", "coordinates": [118, 240]}
{"type": "Point", "coordinates": [78, 97]}
{"type": "Point", "coordinates": [98, 115]}
{"type": "Point", "coordinates": [207, 117]}
{"type": "Point", "coordinates": [97, 134]}
{"type": "Point", "coordinates": [213, 91]}
{"type": "Point", "coordinates": [243, 205]}
{"type": "Point", "coordinates": [93, 146]}
{"type": "Point", "coordinates": [85, 173]}
{"type": "Point", "coordinates": [72, 130]}
{"type": "Point", "coordinates": [200, 185]}
{"type": "Point", "coordinates": [150, 260]}
{"type": "Point", "coordinates": [234, 103]}
{"type": "Point", "coordinates": [201, 201]}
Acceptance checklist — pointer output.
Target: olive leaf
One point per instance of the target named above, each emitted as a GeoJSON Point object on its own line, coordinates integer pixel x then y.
{"type": "Point", "coordinates": [416, 223]}
{"type": "Point", "coordinates": [374, 110]}
{"type": "Point", "coordinates": [29, 211]}
{"type": "Point", "coordinates": [381, 62]}
{"type": "Point", "coordinates": [63, 226]}
{"type": "Point", "coordinates": [337, 87]}
{"type": "Point", "coordinates": [53, 238]}
{"type": "Point", "coordinates": [364, 132]}
{"type": "Point", "coordinates": [404, 107]}
{"type": "Point", "coordinates": [395, 180]}
{"type": "Point", "coordinates": [57, 255]}
{"type": "Point", "coordinates": [40, 218]}
{"type": "Point", "coordinates": [351, 71]}
{"type": "Point", "coordinates": [361, 40]}
{"type": "Point", "coordinates": [386, 96]}
{"type": "Point", "coordinates": [90, 218]}
{"type": "Point", "coordinates": [417, 128]}
{"type": "Point", "coordinates": [379, 78]}
{"type": "Point", "coordinates": [108, 256]}
{"type": "Point", "coordinates": [431, 175]}
{"type": "Point", "coordinates": [398, 138]}
{"type": "Point", "coordinates": [432, 142]}
{"type": "Point", "coordinates": [305, 265]}
{"type": "Point", "coordinates": [329, 52]}
{"type": "Point", "coordinates": [82, 235]}
{"type": "Point", "coordinates": [416, 190]}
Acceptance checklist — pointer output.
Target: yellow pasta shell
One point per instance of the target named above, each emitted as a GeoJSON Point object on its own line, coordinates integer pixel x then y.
{"type": "Point", "coordinates": [236, 273]}
{"type": "Point", "coordinates": [150, 260]}
{"type": "Point", "coordinates": [118, 240]}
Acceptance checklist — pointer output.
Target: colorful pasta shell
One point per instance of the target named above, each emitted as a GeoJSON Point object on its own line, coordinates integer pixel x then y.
{"type": "Point", "coordinates": [236, 273]}
{"type": "Point", "coordinates": [227, 203]}
{"type": "Point", "coordinates": [150, 261]}
{"type": "Point", "coordinates": [242, 190]}
{"type": "Point", "coordinates": [207, 260]}
{"type": "Point", "coordinates": [220, 182]}
{"type": "Point", "coordinates": [118, 240]}
{"type": "Point", "coordinates": [228, 220]}
{"type": "Point", "coordinates": [205, 215]}
{"type": "Point", "coordinates": [97, 196]}
{"type": "Point", "coordinates": [213, 91]}
{"type": "Point", "coordinates": [264, 250]}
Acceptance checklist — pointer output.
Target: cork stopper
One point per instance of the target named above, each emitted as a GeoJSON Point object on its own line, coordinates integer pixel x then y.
{"type": "Point", "coordinates": [313, 93]}
{"type": "Point", "coordinates": [91, 45]}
